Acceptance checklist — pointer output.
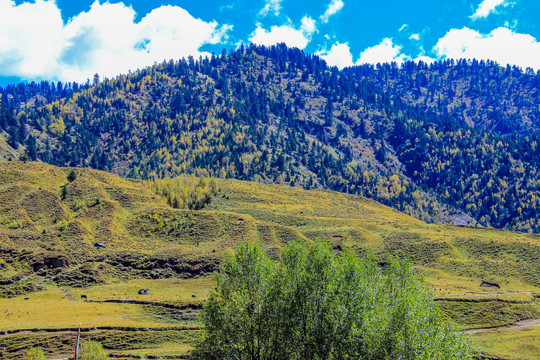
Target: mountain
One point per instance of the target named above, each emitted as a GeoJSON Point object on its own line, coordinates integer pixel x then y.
{"type": "Point", "coordinates": [451, 142]}
{"type": "Point", "coordinates": [475, 94]}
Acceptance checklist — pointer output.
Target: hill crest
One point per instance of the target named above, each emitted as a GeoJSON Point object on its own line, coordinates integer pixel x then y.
{"type": "Point", "coordinates": [403, 136]}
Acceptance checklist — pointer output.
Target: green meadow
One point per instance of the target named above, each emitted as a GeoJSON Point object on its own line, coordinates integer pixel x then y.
{"type": "Point", "coordinates": [49, 225]}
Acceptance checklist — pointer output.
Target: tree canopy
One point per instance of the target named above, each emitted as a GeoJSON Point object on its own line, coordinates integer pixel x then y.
{"type": "Point", "coordinates": [312, 304]}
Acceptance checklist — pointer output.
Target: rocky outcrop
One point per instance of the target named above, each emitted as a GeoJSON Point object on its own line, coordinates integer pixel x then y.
{"type": "Point", "coordinates": [53, 262]}
{"type": "Point", "coordinates": [162, 267]}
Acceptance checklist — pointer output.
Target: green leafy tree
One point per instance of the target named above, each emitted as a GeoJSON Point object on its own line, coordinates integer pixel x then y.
{"type": "Point", "coordinates": [35, 354]}
{"type": "Point", "coordinates": [92, 350]}
{"type": "Point", "coordinates": [315, 305]}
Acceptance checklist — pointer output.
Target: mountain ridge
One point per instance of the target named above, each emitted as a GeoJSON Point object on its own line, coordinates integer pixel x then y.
{"type": "Point", "coordinates": [278, 115]}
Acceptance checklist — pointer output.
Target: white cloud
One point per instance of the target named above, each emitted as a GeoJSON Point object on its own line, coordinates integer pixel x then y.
{"type": "Point", "coordinates": [287, 34]}
{"type": "Point", "coordinates": [502, 45]}
{"type": "Point", "coordinates": [415, 37]}
{"type": "Point", "coordinates": [36, 44]}
{"type": "Point", "coordinates": [426, 59]}
{"type": "Point", "coordinates": [333, 8]}
{"type": "Point", "coordinates": [309, 26]}
{"type": "Point", "coordinates": [487, 7]}
{"type": "Point", "coordinates": [423, 57]}
{"type": "Point", "coordinates": [30, 37]}
{"type": "Point", "coordinates": [271, 6]}
{"type": "Point", "coordinates": [339, 55]}
{"type": "Point", "coordinates": [386, 51]}
{"type": "Point", "coordinates": [511, 25]}
{"type": "Point", "coordinates": [403, 27]}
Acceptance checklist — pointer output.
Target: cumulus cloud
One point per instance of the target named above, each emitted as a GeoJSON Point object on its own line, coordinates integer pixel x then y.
{"type": "Point", "coordinates": [287, 34]}
{"type": "Point", "coordinates": [386, 51]}
{"type": "Point", "coordinates": [339, 55]}
{"type": "Point", "coordinates": [415, 37]}
{"type": "Point", "coordinates": [502, 45]}
{"type": "Point", "coordinates": [271, 6]}
{"type": "Point", "coordinates": [35, 43]}
{"type": "Point", "coordinates": [487, 7]}
{"type": "Point", "coordinates": [333, 8]}
{"type": "Point", "coordinates": [309, 26]}
{"type": "Point", "coordinates": [30, 37]}
{"type": "Point", "coordinates": [424, 58]}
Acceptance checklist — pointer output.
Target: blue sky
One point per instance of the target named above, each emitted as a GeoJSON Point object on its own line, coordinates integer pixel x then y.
{"type": "Point", "coordinates": [71, 40]}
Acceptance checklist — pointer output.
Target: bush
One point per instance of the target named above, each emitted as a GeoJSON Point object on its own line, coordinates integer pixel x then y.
{"type": "Point", "coordinates": [63, 224]}
{"type": "Point", "coordinates": [314, 305]}
{"type": "Point", "coordinates": [35, 354]}
{"type": "Point", "coordinates": [92, 350]}
{"type": "Point", "coordinates": [64, 192]}
{"type": "Point", "coordinates": [79, 204]}
{"type": "Point", "coordinates": [15, 224]}
{"type": "Point", "coordinates": [72, 176]}
{"type": "Point", "coordinates": [186, 191]}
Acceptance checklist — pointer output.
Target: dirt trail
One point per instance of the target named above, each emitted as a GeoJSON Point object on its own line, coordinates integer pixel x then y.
{"type": "Point", "coordinates": [521, 323]}
{"type": "Point", "coordinates": [499, 297]}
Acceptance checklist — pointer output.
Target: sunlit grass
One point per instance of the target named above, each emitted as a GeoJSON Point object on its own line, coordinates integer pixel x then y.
{"type": "Point", "coordinates": [512, 343]}
{"type": "Point", "coordinates": [130, 218]}
{"type": "Point", "coordinates": [168, 291]}
{"type": "Point", "coordinates": [51, 309]}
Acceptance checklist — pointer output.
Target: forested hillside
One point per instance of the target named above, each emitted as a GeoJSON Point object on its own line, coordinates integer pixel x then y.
{"type": "Point", "coordinates": [450, 142]}
{"type": "Point", "coordinates": [482, 153]}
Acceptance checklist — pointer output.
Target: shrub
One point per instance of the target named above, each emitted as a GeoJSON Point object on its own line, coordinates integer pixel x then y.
{"type": "Point", "coordinates": [79, 204]}
{"type": "Point", "coordinates": [314, 305]}
{"type": "Point", "coordinates": [63, 224]}
{"type": "Point", "coordinates": [92, 350]}
{"type": "Point", "coordinates": [35, 354]}
{"type": "Point", "coordinates": [72, 176]}
{"type": "Point", "coordinates": [15, 224]}
{"type": "Point", "coordinates": [64, 192]}
{"type": "Point", "coordinates": [186, 191]}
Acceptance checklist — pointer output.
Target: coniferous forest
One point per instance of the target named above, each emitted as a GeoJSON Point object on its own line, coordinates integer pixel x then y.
{"type": "Point", "coordinates": [447, 142]}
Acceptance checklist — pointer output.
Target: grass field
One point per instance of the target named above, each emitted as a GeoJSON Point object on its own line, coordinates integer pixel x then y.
{"type": "Point", "coordinates": [512, 343]}
{"type": "Point", "coordinates": [68, 310]}
{"type": "Point", "coordinates": [48, 227]}
{"type": "Point", "coordinates": [60, 344]}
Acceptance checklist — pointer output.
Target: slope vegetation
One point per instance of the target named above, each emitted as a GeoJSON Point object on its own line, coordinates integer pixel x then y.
{"type": "Point", "coordinates": [52, 217]}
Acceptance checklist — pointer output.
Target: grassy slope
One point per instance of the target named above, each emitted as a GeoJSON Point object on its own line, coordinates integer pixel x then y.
{"type": "Point", "coordinates": [171, 252]}
{"type": "Point", "coordinates": [455, 259]}
{"type": "Point", "coordinates": [513, 343]}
